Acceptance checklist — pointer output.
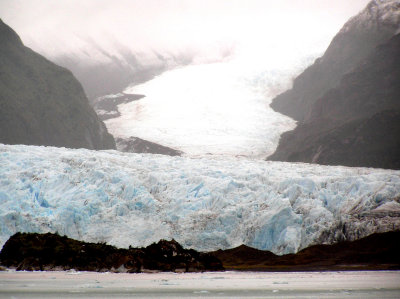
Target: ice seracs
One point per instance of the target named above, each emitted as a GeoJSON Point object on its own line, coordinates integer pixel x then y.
{"type": "Point", "coordinates": [204, 203]}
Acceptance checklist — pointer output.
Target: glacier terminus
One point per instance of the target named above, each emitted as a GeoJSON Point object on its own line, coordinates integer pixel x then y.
{"type": "Point", "coordinates": [205, 202]}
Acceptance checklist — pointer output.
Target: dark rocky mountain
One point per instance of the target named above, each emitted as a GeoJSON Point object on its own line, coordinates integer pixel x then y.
{"type": "Point", "coordinates": [31, 251]}
{"type": "Point", "coordinates": [353, 120]}
{"type": "Point", "coordinates": [375, 252]}
{"type": "Point", "coordinates": [377, 23]}
{"type": "Point", "coordinates": [42, 103]}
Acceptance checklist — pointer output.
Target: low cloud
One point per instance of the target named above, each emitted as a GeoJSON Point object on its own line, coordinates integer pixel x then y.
{"type": "Point", "coordinates": [138, 36]}
{"type": "Point", "coordinates": [204, 28]}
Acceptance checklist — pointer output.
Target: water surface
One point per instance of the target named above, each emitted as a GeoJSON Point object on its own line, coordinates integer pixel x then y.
{"type": "Point", "coordinates": [371, 284]}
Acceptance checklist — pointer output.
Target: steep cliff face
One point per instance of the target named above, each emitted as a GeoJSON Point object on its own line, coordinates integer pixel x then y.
{"type": "Point", "coordinates": [42, 103]}
{"type": "Point", "coordinates": [353, 120]}
{"type": "Point", "coordinates": [377, 23]}
{"type": "Point", "coordinates": [357, 123]}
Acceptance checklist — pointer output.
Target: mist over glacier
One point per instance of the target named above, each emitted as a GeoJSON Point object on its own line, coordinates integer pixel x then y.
{"type": "Point", "coordinates": [204, 203]}
{"type": "Point", "coordinates": [99, 31]}
{"type": "Point", "coordinates": [217, 64]}
{"type": "Point", "coordinates": [219, 108]}
{"type": "Point", "coordinates": [109, 45]}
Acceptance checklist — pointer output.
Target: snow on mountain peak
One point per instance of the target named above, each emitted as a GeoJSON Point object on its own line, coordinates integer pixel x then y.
{"type": "Point", "coordinates": [377, 13]}
{"type": "Point", "coordinates": [203, 203]}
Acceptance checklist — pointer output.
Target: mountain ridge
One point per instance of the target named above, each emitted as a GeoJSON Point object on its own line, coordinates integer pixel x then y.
{"type": "Point", "coordinates": [353, 120]}
{"type": "Point", "coordinates": [353, 43]}
{"type": "Point", "coordinates": [42, 103]}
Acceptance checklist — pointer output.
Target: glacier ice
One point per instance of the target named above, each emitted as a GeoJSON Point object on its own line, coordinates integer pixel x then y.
{"type": "Point", "coordinates": [204, 203]}
{"type": "Point", "coordinates": [228, 112]}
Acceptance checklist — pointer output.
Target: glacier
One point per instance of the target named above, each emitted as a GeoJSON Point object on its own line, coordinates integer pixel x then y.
{"type": "Point", "coordinates": [224, 104]}
{"type": "Point", "coordinates": [205, 203]}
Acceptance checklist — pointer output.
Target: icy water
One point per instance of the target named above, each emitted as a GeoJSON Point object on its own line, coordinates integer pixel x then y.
{"type": "Point", "coordinates": [372, 284]}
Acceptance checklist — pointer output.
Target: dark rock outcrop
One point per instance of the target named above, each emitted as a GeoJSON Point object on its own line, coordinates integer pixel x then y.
{"type": "Point", "coordinates": [106, 107]}
{"type": "Point", "coordinates": [375, 252]}
{"type": "Point", "coordinates": [138, 145]}
{"type": "Point", "coordinates": [170, 256]}
{"type": "Point", "coordinates": [32, 251]}
{"type": "Point", "coordinates": [352, 118]}
{"type": "Point", "coordinates": [42, 103]}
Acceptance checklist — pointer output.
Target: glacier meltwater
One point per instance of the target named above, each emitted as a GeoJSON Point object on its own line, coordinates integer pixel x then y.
{"type": "Point", "coordinates": [204, 203]}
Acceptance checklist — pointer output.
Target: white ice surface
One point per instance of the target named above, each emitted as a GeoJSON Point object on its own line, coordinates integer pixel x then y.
{"type": "Point", "coordinates": [204, 203]}
{"type": "Point", "coordinates": [217, 108]}
{"type": "Point", "coordinates": [224, 285]}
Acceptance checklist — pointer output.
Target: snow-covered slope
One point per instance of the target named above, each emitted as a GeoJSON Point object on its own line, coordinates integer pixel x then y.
{"type": "Point", "coordinates": [204, 203]}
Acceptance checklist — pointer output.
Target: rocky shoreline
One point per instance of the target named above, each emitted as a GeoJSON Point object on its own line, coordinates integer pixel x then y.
{"type": "Point", "coordinates": [47, 252]}
{"type": "Point", "coordinates": [375, 252]}
{"type": "Point", "coordinates": [52, 252]}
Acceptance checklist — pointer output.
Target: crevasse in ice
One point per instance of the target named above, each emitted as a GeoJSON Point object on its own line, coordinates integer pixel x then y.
{"type": "Point", "coordinates": [204, 203]}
